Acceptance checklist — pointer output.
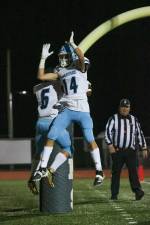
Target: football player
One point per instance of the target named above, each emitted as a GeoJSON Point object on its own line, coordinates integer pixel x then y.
{"type": "Point", "coordinates": [47, 95]}
{"type": "Point", "coordinates": [72, 73]}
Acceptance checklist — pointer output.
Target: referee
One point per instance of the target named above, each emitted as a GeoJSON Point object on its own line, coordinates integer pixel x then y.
{"type": "Point", "coordinates": [123, 136]}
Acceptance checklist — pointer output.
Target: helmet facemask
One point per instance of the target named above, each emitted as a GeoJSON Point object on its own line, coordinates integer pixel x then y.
{"type": "Point", "coordinates": [64, 60]}
{"type": "Point", "coordinates": [65, 55]}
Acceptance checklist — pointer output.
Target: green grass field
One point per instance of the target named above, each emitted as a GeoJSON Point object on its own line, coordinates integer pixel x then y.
{"type": "Point", "coordinates": [91, 206]}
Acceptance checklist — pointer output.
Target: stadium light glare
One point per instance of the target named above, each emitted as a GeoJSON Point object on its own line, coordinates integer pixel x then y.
{"type": "Point", "coordinates": [24, 92]}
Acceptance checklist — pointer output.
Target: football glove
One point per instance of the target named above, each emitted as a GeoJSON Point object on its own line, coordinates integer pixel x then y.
{"type": "Point", "coordinates": [44, 55]}
{"type": "Point", "coordinates": [45, 51]}
{"type": "Point", "coordinates": [71, 40]}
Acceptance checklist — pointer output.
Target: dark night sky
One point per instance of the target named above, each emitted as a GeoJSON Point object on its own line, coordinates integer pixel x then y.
{"type": "Point", "coordinates": [120, 61]}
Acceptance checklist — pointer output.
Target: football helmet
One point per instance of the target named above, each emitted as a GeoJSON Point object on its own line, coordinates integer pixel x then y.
{"type": "Point", "coordinates": [87, 63]}
{"type": "Point", "coordinates": [86, 60]}
{"type": "Point", "coordinates": [66, 55]}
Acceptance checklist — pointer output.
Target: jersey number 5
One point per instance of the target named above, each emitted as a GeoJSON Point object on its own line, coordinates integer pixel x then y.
{"type": "Point", "coordinates": [72, 86]}
{"type": "Point", "coordinates": [44, 98]}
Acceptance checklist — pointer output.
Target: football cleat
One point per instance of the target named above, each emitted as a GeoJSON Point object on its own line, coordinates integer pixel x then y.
{"type": "Point", "coordinates": [33, 187]}
{"type": "Point", "coordinates": [99, 178]}
{"type": "Point", "coordinates": [39, 174]}
{"type": "Point", "coordinates": [50, 177]}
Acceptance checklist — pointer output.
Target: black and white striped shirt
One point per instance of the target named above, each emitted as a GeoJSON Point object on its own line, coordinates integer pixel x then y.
{"type": "Point", "coordinates": [124, 132]}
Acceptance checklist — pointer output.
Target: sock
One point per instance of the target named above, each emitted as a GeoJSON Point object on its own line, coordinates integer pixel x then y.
{"type": "Point", "coordinates": [45, 156]}
{"type": "Point", "coordinates": [38, 163]}
{"type": "Point", "coordinates": [34, 165]}
{"type": "Point", "coordinates": [60, 158]}
{"type": "Point", "coordinates": [96, 159]}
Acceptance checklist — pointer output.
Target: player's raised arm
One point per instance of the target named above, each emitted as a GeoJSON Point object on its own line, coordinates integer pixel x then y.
{"type": "Point", "coordinates": [41, 71]}
{"type": "Point", "coordinates": [79, 53]}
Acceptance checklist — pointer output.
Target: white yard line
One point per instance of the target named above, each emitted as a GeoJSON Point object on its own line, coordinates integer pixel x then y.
{"type": "Point", "coordinates": [123, 213]}
{"type": "Point", "coordinates": [132, 222]}
{"type": "Point", "coordinates": [145, 182]}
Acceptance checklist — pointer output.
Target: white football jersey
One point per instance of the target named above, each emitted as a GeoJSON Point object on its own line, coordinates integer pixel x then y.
{"type": "Point", "coordinates": [75, 86]}
{"type": "Point", "coordinates": [47, 94]}
{"type": "Point", "coordinates": [74, 83]}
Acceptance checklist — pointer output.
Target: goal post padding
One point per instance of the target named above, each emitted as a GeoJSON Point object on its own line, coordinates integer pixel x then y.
{"type": "Point", "coordinates": [58, 199]}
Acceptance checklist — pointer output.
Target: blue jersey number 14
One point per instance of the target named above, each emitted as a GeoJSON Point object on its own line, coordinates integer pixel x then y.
{"type": "Point", "coordinates": [73, 86]}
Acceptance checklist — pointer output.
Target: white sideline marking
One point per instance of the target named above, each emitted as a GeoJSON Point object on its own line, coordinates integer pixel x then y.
{"type": "Point", "coordinates": [132, 222]}
{"type": "Point", "coordinates": [146, 182]}
{"type": "Point", "coordinates": [129, 218]}
{"type": "Point", "coordinates": [124, 214]}
{"type": "Point", "coordinates": [119, 209]}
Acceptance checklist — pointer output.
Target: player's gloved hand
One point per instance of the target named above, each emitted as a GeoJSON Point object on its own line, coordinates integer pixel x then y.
{"type": "Point", "coordinates": [45, 51]}
{"type": "Point", "coordinates": [71, 40]}
{"type": "Point", "coordinates": [44, 55]}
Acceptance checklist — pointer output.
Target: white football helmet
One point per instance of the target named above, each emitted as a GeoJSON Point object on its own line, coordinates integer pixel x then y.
{"type": "Point", "coordinates": [64, 55]}
{"type": "Point", "coordinates": [86, 60]}
{"type": "Point", "coordinates": [87, 63]}
{"type": "Point", "coordinates": [67, 55]}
